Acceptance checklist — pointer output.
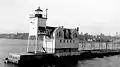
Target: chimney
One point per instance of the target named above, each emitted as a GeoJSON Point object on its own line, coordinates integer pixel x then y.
{"type": "Point", "coordinates": [77, 28]}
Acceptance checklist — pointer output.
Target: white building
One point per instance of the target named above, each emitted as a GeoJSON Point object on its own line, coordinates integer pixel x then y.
{"type": "Point", "coordinates": [43, 38]}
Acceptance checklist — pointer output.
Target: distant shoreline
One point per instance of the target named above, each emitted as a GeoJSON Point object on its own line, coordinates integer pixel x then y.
{"type": "Point", "coordinates": [14, 38]}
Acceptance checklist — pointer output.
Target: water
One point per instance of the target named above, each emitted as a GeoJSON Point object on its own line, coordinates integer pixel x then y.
{"type": "Point", "coordinates": [15, 46]}
{"type": "Point", "coordinates": [11, 46]}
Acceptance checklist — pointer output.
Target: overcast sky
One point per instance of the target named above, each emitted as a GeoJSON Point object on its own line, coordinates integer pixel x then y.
{"type": "Point", "coordinates": [92, 16]}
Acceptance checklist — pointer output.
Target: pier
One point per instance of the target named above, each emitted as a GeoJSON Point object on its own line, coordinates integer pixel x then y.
{"type": "Point", "coordinates": [47, 44]}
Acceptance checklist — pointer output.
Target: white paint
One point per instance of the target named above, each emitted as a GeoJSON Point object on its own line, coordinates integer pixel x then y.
{"type": "Point", "coordinates": [49, 45]}
{"type": "Point", "coordinates": [33, 26]}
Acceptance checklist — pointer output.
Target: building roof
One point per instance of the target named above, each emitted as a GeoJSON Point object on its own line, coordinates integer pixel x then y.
{"type": "Point", "coordinates": [50, 30]}
{"type": "Point", "coordinates": [47, 30]}
{"type": "Point", "coordinates": [38, 9]}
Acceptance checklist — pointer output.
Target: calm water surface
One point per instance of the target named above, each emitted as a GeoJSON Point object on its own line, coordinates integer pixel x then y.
{"type": "Point", "coordinates": [15, 46]}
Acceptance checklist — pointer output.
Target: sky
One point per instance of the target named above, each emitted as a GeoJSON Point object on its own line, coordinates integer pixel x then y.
{"type": "Point", "coordinates": [92, 16]}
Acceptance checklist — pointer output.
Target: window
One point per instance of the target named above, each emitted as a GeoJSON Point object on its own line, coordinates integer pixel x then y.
{"type": "Point", "coordinates": [64, 41]}
{"type": "Point", "coordinates": [75, 35]}
{"type": "Point", "coordinates": [67, 41]}
{"type": "Point", "coordinates": [70, 41]}
{"type": "Point", "coordinates": [60, 41]}
{"type": "Point", "coordinates": [59, 35]}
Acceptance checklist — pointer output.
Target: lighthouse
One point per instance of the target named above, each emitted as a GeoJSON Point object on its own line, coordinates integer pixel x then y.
{"type": "Point", "coordinates": [48, 39]}
{"type": "Point", "coordinates": [37, 21]}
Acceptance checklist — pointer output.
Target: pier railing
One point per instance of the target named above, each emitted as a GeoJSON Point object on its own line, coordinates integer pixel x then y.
{"type": "Point", "coordinates": [98, 46]}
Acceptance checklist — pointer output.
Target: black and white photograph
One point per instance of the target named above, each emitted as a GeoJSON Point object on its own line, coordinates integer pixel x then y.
{"type": "Point", "coordinates": [59, 33]}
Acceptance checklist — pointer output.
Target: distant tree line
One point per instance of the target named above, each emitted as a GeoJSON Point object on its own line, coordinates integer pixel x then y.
{"type": "Point", "coordinates": [82, 37]}
{"type": "Point", "coordinates": [97, 38]}
{"type": "Point", "coordinates": [14, 36]}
